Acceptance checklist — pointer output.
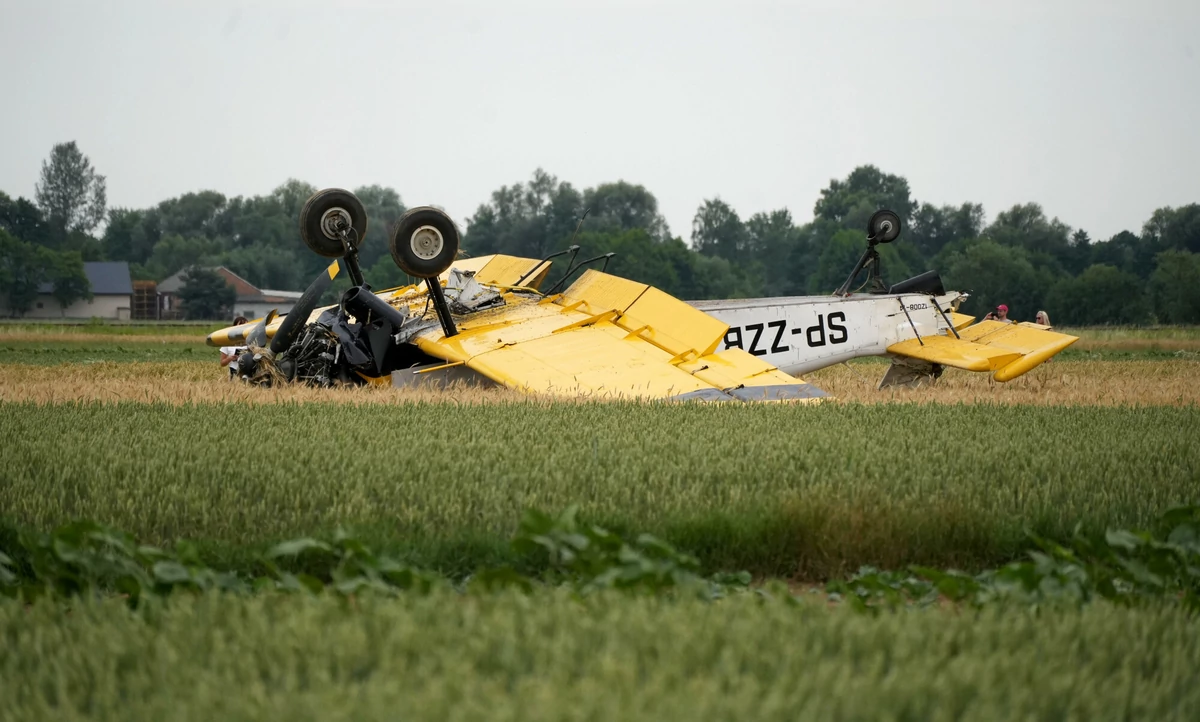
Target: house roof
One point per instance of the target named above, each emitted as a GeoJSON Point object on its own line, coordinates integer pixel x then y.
{"type": "Point", "coordinates": [108, 278]}
{"type": "Point", "coordinates": [246, 292]}
{"type": "Point", "coordinates": [280, 296]}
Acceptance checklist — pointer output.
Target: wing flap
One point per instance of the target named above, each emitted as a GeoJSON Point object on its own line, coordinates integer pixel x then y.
{"type": "Point", "coordinates": [950, 351]}
{"type": "Point", "coordinates": [747, 377]}
{"type": "Point", "coordinates": [672, 324]}
{"type": "Point", "coordinates": [601, 292]}
{"type": "Point", "coordinates": [1006, 349]}
{"type": "Point", "coordinates": [588, 360]}
{"type": "Point", "coordinates": [959, 320]}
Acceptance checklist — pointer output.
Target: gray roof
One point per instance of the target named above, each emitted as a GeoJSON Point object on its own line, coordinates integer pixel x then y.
{"type": "Point", "coordinates": [172, 283]}
{"type": "Point", "coordinates": [108, 278]}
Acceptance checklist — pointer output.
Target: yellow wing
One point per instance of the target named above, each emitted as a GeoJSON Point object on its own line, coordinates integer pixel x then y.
{"type": "Point", "coordinates": [612, 338]}
{"type": "Point", "coordinates": [1005, 349]}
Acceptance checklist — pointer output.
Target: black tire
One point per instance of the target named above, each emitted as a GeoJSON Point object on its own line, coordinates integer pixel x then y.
{"type": "Point", "coordinates": [424, 242]}
{"type": "Point", "coordinates": [884, 227]}
{"type": "Point", "coordinates": [316, 237]}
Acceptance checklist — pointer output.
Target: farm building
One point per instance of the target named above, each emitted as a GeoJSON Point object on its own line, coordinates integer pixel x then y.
{"type": "Point", "coordinates": [251, 302]}
{"type": "Point", "coordinates": [111, 291]}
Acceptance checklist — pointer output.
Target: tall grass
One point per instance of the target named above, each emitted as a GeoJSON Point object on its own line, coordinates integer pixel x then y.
{"type": "Point", "coordinates": [551, 656]}
{"type": "Point", "coordinates": [1141, 383]}
{"type": "Point", "coordinates": [810, 492]}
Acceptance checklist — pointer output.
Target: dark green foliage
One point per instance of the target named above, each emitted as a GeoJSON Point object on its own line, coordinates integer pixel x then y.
{"type": "Point", "coordinates": [22, 219]}
{"type": "Point", "coordinates": [592, 558]}
{"type": "Point", "coordinates": [1046, 242]}
{"type": "Point", "coordinates": [1100, 295]}
{"type": "Point", "coordinates": [1124, 567]}
{"type": "Point", "coordinates": [1175, 287]}
{"type": "Point", "coordinates": [85, 559]}
{"type": "Point", "coordinates": [718, 231]}
{"type": "Point", "coordinates": [205, 294]}
{"type": "Point", "coordinates": [993, 274]}
{"type": "Point", "coordinates": [1174, 228]}
{"type": "Point", "coordinates": [71, 283]}
{"type": "Point", "coordinates": [70, 194]}
{"type": "Point", "coordinates": [867, 189]}
{"type": "Point", "coordinates": [25, 266]}
{"type": "Point", "coordinates": [729, 256]}
{"type": "Point", "coordinates": [932, 227]}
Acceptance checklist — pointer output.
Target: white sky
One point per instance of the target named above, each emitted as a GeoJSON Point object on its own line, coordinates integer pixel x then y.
{"type": "Point", "coordinates": [1090, 108]}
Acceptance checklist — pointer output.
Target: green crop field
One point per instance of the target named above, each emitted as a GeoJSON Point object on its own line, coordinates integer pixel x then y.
{"type": "Point", "coordinates": [134, 427]}
{"type": "Point", "coordinates": [804, 491]}
{"type": "Point", "coordinates": [611, 657]}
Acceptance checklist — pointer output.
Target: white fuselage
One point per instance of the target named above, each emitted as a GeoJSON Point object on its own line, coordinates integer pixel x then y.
{"type": "Point", "coordinates": [800, 334]}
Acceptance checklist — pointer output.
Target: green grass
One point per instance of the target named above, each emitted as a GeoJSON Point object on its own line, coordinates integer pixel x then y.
{"type": "Point", "coordinates": [812, 492]}
{"type": "Point", "coordinates": [114, 328]}
{"type": "Point", "coordinates": [549, 656]}
{"type": "Point", "coordinates": [53, 353]}
{"type": "Point", "coordinates": [1127, 333]}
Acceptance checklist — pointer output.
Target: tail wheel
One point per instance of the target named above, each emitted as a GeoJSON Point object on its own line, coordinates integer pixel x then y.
{"type": "Point", "coordinates": [326, 216]}
{"type": "Point", "coordinates": [424, 242]}
{"type": "Point", "coordinates": [884, 227]}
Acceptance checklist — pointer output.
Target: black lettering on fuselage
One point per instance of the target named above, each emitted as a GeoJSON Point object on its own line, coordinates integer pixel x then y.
{"type": "Point", "coordinates": [733, 337]}
{"type": "Point", "coordinates": [836, 328]}
{"type": "Point", "coordinates": [816, 334]}
{"type": "Point", "coordinates": [757, 328]}
{"type": "Point", "coordinates": [777, 346]}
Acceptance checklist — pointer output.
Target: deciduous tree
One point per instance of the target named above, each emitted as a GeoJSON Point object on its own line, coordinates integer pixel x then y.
{"type": "Point", "coordinates": [71, 194]}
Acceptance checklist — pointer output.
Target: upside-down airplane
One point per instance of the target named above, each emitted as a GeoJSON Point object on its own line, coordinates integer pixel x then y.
{"type": "Point", "coordinates": [486, 319]}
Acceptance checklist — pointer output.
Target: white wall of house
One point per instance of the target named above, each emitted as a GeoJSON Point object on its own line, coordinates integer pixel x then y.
{"type": "Point", "coordinates": [113, 307]}
{"type": "Point", "coordinates": [258, 309]}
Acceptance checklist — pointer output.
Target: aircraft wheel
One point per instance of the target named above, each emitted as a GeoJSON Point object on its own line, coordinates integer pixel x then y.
{"type": "Point", "coordinates": [884, 226]}
{"type": "Point", "coordinates": [424, 242]}
{"type": "Point", "coordinates": [325, 214]}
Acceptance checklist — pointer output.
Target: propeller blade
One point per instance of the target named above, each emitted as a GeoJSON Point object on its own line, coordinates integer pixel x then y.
{"type": "Point", "coordinates": [258, 337]}
{"type": "Point", "coordinates": [298, 316]}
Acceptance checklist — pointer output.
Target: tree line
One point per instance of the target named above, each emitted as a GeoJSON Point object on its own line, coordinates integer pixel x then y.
{"type": "Point", "coordinates": [1021, 258]}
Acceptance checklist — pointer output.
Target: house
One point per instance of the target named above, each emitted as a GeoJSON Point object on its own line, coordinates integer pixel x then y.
{"type": "Point", "coordinates": [251, 302]}
{"type": "Point", "coordinates": [111, 291]}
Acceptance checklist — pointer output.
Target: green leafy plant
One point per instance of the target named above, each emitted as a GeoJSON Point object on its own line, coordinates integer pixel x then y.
{"type": "Point", "coordinates": [1125, 567]}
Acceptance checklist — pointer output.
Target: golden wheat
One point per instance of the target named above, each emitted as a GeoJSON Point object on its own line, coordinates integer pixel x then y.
{"type": "Point", "coordinates": [1106, 383]}
{"type": "Point", "coordinates": [1170, 383]}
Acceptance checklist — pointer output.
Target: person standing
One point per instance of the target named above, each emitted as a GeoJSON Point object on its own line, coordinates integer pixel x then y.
{"type": "Point", "coordinates": [229, 354]}
{"type": "Point", "coordinates": [1000, 314]}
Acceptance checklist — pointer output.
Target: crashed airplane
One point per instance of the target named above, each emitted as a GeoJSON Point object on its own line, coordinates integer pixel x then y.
{"type": "Point", "coordinates": [487, 320]}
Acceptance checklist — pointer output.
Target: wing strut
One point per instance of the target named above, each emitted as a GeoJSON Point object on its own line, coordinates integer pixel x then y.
{"type": "Point", "coordinates": [910, 321]}
{"type": "Point", "coordinates": [944, 318]}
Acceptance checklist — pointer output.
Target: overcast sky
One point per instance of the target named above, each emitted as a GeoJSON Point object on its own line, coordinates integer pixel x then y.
{"type": "Point", "coordinates": [1090, 108]}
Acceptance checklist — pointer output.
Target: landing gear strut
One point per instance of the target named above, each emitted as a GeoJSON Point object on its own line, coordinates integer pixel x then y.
{"type": "Point", "coordinates": [884, 227]}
